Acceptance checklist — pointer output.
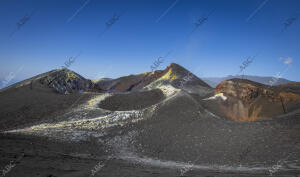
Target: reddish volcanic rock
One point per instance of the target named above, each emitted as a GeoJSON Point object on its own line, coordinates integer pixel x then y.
{"type": "Point", "coordinates": [174, 72]}
{"type": "Point", "coordinates": [249, 101]}
{"type": "Point", "coordinates": [132, 82]}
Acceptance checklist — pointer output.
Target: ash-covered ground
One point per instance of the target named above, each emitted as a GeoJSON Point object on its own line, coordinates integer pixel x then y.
{"type": "Point", "coordinates": [162, 123]}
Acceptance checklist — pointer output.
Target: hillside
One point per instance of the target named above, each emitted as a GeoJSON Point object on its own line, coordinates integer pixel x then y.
{"type": "Point", "coordinates": [168, 122]}
{"type": "Point", "coordinates": [245, 100]}
{"type": "Point", "coordinates": [214, 81]}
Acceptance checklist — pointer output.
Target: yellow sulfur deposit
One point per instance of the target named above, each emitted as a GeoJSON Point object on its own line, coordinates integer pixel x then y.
{"type": "Point", "coordinates": [71, 75]}
{"type": "Point", "coordinates": [168, 76]}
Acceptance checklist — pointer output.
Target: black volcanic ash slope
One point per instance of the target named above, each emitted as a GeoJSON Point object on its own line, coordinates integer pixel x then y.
{"type": "Point", "coordinates": [180, 128]}
{"type": "Point", "coordinates": [63, 81]}
{"type": "Point", "coordinates": [132, 101]}
{"type": "Point", "coordinates": [41, 98]}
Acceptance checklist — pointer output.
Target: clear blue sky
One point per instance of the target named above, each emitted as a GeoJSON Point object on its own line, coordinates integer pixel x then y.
{"type": "Point", "coordinates": [217, 48]}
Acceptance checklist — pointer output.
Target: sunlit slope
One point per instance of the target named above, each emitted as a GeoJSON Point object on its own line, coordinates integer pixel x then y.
{"type": "Point", "coordinates": [251, 101]}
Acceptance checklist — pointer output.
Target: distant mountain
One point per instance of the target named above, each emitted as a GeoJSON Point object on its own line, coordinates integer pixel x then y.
{"type": "Point", "coordinates": [214, 81]}
{"type": "Point", "coordinates": [4, 83]}
{"type": "Point", "coordinates": [210, 82]}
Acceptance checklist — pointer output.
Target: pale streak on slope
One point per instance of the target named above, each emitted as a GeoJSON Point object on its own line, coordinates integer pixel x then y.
{"type": "Point", "coordinates": [131, 157]}
{"type": "Point", "coordinates": [218, 95]}
{"type": "Point", "coordinates": [114, 118]}
{"type": "Point", "coordinates": [93, 103]}
{"type": "Point", "coordinates": [167, 89]}
{"type": "Point", "coordinates": [125, 151]}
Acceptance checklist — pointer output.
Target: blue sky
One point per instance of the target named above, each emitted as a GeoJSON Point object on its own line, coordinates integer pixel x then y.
{"type": "Point", "coordinates": [146, 30]}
